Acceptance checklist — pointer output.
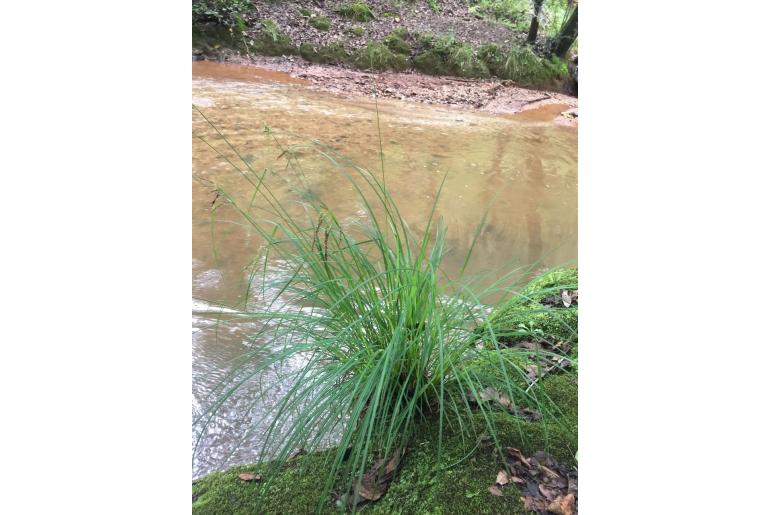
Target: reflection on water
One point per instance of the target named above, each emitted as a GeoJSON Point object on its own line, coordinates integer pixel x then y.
{"type": "Point", "coordinates": [523, 171]}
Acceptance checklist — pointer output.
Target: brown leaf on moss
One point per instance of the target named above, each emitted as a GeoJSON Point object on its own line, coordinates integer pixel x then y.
{"type": "Point", "coordinates": [545, 483]}
{"type": "Point", "coordinates": [249, 477]}
{"type": "Point", "coordinates": [502, 478]}
{"type": "Point", "coordinates": [495, 491]}
{"type": "Point", "coordinates": [517, 455]}
{"type": "Point", "coordinates": [563, 505]}
{"type": "Point", "coordinates": [377, 480]}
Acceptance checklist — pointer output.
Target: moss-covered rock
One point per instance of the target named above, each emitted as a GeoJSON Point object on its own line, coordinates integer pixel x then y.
{"type": "Point", "coordinates": [454, 482]}
{"type": "Point", "coordinates": [457, 483]}
{"type": "Point", "coordinates": [320, 22]}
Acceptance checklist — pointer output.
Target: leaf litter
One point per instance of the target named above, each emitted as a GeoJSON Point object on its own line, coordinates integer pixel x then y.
{"type": "Point", "coordinates": [547, 487]}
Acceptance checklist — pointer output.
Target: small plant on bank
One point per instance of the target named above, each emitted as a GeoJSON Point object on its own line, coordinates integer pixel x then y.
{"type": "Point", "coordinates": [320, 22]}
{"type": "Point", "coordinates": [377, 56]}
{"type": "Point", "coordinates": [227, 13]}
{"type": "Point", "coordinates": [383, 341]}
{"type": "Point", "coordinates": [395, 42]}
{"type": "Point", "coordinates": [358, 11]}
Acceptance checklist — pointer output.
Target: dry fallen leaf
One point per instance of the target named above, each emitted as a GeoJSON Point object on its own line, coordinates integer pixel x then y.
{"type": "Point", "coordinates": [249, 477]}
{"type": "Point", "coordinates": [563, 505]}
{"type": "Point", "coordinates": [495, 491]}
{"type": "Point", "coordinates": [547, 492]}
{"type": "Point", "coordinates": [515, 453]}
{"type": "Point", "coordinates": [532, 372]}
{"type": "Point", "coordinates": [377, 480]}
{"type": "Point", "coordinates": [502, 478]}
{"type": "Point", "coordinates": [566, 298]}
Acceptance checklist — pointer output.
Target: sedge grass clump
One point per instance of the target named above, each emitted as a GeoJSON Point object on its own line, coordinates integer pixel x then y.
{"type": "Point", "coordinates": [365, 337]}
{"type": "Point", "coordinates": [377, 56]}
{"type": "Point", "coordinates": [357, 11]}
{"type": "Point", "coordinates": [321, 23]}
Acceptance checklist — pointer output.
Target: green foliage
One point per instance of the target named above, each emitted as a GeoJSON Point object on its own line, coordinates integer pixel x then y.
{"type": "Point", "coordinates": [271, 40]}
{"type": "Point", "coordinates": [433, 5]}
{"type": "Point", "coordinates": [383, 351]}
{"type": "Point", "coordinates": [320, 22]}
{"type": "Point", "coordinates": [334, 53]}
{"type": "Point", "coordinates": [358, 11]}
{"type": "Point", "coordinates": [515, 14]}
{"type": "Point", "coordinates": [395, 42]}
{"type": "Point", "coordinates": [227, 13]}
{"type": "Point", "coordinates": [357, 31]}
{"type": "Point", "coordinates": [445, 56]}
{"type": "Point", "coordinates": [305, 12]}
{"type": "Point", "coordinates": [526, 68]}
{"type": "Point", "coordinates": [524, 317]}
{"type": "Point", "coordinates": [377, 56]}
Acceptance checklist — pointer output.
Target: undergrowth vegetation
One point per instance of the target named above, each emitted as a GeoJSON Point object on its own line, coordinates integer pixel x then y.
{"type": "Point", "coordinates": [385, 348]}
{"type": "Point", "coordinates": [358, 11]}
{"type": "Point", "coordinates": [220, 26]}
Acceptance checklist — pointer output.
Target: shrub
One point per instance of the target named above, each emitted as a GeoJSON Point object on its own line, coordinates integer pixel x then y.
{"type": "Point", "coordinates": [358, 11]}
{"type": "Point", "coordinates": [381, 344]}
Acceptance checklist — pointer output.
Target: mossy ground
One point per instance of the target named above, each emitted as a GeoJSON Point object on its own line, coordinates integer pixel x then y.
{"type": "Point", "coordinates": [456, 484]}
{"type": "Point", "coordinates": [524, 317]}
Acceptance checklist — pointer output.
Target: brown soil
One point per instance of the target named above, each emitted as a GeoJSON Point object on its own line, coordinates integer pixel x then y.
{"type": "Point", "coordinates": [489, 95]}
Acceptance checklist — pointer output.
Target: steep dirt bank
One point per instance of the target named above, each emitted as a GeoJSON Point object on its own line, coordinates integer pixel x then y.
{"type": "Point", "coordinates": [489, 95]}
{"type": "Point", "coordinates": [453, 39]}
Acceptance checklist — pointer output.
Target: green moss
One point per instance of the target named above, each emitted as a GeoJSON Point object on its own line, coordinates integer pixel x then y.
{"type": "Point", "coordinates": [271, 40]}
{"type": "Point", "coordinates": [212, 38]}
{"type": "Point", "coordinates": [357, 31]}
{"type": "Point", "coordinates": [320, 22]}
{"type": "Point", "coordinates": [377, 56]}
{"type": "Point", "coordinates": [294, 489]}
{"type": "Point", "coordinates": [445, 56]}
{"type": "Point", "coordinates": [358, 11]}
{"type": "Point", "coordinates": [305, 12]}
{"type": "Point", "coordinates": [523, 66]}
{"type": "Point", "coordinates": [331, 54]}
{"type": "Point", "coordinates": [456, 484]}
{"type": "Point", "coordinates": [491, 55]}
{"type": "Point", "coordinates": [395, 42]}
{"type": "Point", "coordinates": [525, 318]}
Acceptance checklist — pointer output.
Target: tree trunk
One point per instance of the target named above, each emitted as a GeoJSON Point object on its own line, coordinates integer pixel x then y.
{"type": "Point", "coordinates": [532, 36]}
{"type": "Point", "coordinates": [568, 35]}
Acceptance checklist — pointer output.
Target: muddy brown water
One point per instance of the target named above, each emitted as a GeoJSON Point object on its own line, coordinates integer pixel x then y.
{"type": "Point", "coordinates": [526, 163]}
